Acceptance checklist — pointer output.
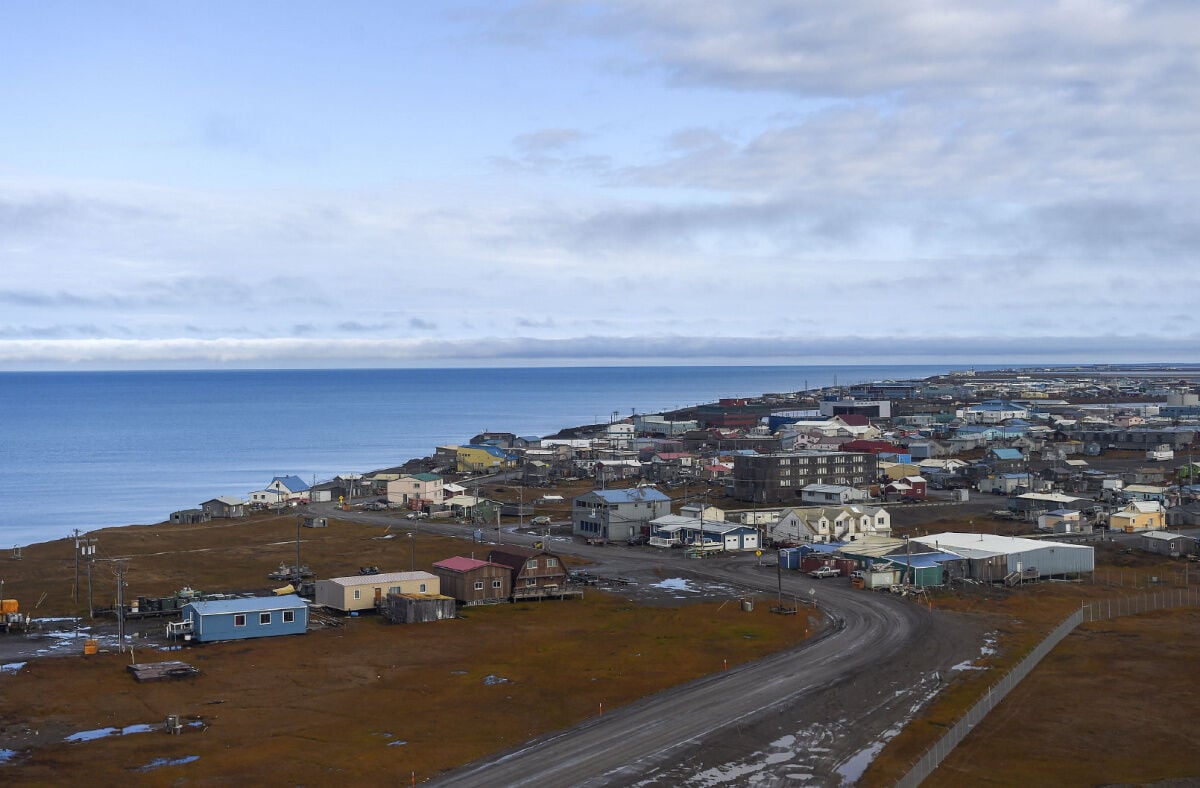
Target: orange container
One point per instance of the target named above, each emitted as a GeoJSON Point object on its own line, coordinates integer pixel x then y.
{"type": "Point", "coordinates": [91, 646]}
{"type": "Point", "coordinates": [8, 606]}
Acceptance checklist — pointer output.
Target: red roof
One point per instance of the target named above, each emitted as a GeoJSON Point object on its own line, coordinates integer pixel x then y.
{"type": "Point", "coordinates": [462, 564]}
{"type": "Point", "coordinates": [854, 420]}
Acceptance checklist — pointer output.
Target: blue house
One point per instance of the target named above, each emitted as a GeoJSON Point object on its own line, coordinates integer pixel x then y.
{"type": "Point", "coordinates": [238, 619]}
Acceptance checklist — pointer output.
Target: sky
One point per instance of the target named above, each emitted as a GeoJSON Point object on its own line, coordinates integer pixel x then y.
{"type": "Point", "coordinates": [362, 183]}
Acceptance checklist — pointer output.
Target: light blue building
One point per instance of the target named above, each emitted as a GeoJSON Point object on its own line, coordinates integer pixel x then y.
{"type": "Point", "coordinates": [238, 619]}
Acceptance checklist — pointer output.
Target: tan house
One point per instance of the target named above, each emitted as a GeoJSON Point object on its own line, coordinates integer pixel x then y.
{"type": "Point", "coordinates": [1138, 516]}
{"type": "Point", "coordinates": [366, 592]}
{"type": "Point", "coordinates": [829, 524]}
{"type": "Point", "coordinates": [416, 490]}
{"type": "Point", "coordinates": [474, 582]}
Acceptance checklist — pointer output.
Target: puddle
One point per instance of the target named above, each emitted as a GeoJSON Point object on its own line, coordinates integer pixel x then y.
{"type": "Point", "coordinates": [7, 755]}
{"type": "Point", "coordinates": [397, 743]}
{"type": "Point", "coordinates": [492, 679]}
{"type": "Point", "coordinates": [158, 763]}
{"type": "Point", "coordinates": [676, 584]}
{"type": "Point", "coordinates": [100, 733]}
{"type": "Point", "coordinates": [12, 667]}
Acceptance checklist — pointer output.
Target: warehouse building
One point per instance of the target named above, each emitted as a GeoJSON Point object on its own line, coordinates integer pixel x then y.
{"type": "Point", "coordinates": [992, 558]}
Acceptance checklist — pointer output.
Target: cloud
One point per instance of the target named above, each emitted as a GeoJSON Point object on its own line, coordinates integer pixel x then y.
{"type": "Point", "coordinates": [418, 324]}
{"type": "Point", "coordinates": [488, 351]}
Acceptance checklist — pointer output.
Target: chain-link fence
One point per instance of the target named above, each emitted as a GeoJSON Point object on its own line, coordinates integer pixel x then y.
{"type": "Point", "coordinates": [1095, 611]}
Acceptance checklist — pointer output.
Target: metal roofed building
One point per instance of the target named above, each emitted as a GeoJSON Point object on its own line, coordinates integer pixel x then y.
{"type": "Point", "coordinates": [992, 558]}
{"type": "Point", "coordinates": [238, 619]}
{"type": "Point", "coordinates": [366, 592]}
{"type": "Point", "coordinates": [617, 514]}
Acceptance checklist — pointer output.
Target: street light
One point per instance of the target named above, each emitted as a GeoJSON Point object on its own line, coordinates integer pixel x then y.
{"type": "Point", "coordinates": [412, 541]}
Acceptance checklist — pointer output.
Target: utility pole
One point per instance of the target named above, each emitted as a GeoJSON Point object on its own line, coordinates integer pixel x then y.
{"type": "Point", "coordinates": [87, 549]}
{"type": "Point", "coordinates": [120, 606]}
{"type": "Point", "coordinates": [75, 588]}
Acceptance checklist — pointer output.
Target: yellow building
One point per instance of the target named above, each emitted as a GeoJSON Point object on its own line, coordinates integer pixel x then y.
{"type": "Point", "coordinates": [1138, 516]}
{"type": "Point", "coordinates": [483, 459]}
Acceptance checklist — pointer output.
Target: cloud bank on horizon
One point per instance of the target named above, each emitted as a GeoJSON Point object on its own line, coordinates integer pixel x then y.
{"type": "Point", "coordinates": [313, 184]}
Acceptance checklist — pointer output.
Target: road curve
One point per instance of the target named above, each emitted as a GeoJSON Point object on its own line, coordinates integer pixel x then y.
{"type": "Point", "coordinates": [633, 740]}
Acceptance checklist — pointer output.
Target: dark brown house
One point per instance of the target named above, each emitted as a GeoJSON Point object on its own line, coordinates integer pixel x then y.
{"type": "Point", "coordinates": [474, 582]}
{"type": "Point", "coordinates": [535, 573]}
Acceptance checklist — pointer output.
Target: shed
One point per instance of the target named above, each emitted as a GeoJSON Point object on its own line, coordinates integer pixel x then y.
{"type": "Point", "coordinates": [238, 619]}
{"type": "Point", "coordinates": [366, 592]}
{"type": "Point", "coordinates": [417, 608]}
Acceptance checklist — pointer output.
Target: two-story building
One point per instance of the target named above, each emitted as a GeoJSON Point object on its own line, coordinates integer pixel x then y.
{"type": "Point", "coordinates": [829, 524]}
{"type": "Point", "coordinates": [416, 490]}
{"type": "Point", "coordinates": [617, 515]}
{"type": "Point", "coordinates": [533, 573]}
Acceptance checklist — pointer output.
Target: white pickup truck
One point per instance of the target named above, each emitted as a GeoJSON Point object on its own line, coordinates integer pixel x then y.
{"type": "Point", "coordinates": [826, 571]}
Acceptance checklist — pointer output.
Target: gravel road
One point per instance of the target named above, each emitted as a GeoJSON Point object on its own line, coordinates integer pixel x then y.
{"type": "Point", "coordinates": [812, 715]}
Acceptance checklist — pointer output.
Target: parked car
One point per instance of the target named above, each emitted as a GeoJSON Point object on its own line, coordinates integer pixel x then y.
{"type": "Point", "coordinates": [540, 520]}
{"type": "Point", "coordinates": [826, 571]}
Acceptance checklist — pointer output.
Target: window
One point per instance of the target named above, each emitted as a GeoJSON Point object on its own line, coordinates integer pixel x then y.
{"type": "Point", "coordinates": [264, 619]}
{"type": "Point", "coordinates": [289, 616]}
{"type": "Point", "coordinates": [357, 594]}
{"type": "Point", "coordinates": [531, 564]}
{"type": "Point", "coordinates": [478, 585]}
{"type": "Point", "coordinates": [395, 590]}
{"type": "Point", "coordinates": [551, 562]}
{"type": "Point", "coordinates": [239, 620]}
{"type": "Point", "coordinates": [531, 581]}
{"type": "Point", "coordinates": [497, 584]}
{"type": "Point", "coordinates": [422, 588]}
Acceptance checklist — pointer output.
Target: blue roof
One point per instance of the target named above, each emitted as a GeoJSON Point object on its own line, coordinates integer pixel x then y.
{"type": "Point", "coordinates": [293, 483]}
{"type": "Point", "coordinates": [492, 450]}
{"type": "Point", "coordinates": [1008, 454]}
{"type": "Point", "coordinates": [210, 607]}
{"type": "Point", "coordinates": [923, 560]}
{"type": "Point", "coordinates": [632, 495]}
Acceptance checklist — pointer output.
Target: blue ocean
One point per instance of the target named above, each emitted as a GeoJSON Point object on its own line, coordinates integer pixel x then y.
{"type": "Point", "coordinates": [90, 450]}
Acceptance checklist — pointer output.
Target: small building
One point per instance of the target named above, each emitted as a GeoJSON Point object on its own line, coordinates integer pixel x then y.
{"type": "Point", "coordinates": [992, 558]}
{"type": "Point", "coordinates": [189, 517]}
{"type": "Point", "coordinates": [474, 582]}
{"type": "Point", "coordinates": [617, 514]}
{"type": "Point", "coordinates": [366, 592]}
{"type": "Point", "coordinates": [1166, 543]}
{"type": "Point", "coordinates": [416, 491]}
{"type": "Point", "coordinates": [830, 494]}
{"type": "Point", "coordinates": [238, 619]}
{"type": "Point", "coordinates": [716, 534]}
{"type": "Point", "coordinates": [417, 608]}
{"type": "Point", "coordinates": [1061, 521]}
{"type": "Point", "coordinates": [224, 507]}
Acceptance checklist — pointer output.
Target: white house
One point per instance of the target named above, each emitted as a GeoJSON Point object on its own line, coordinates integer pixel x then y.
{"type": "Point", "coordinates": [830, 494]}
{"type": "Point", "coordinates": [282, 489]}
{"type": "Point", "coordinates": [829, 524]}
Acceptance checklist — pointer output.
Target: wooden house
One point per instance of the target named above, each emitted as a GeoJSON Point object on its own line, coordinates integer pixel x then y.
{"type": "Point", "coordinates": [474, 582]}
{"type": "Point", "coordinates": [534, 573]}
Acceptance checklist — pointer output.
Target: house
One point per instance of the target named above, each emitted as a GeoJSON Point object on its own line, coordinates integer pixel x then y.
{"type": "Point", "coordinates": [993, 411]}
{"type": "Point", "coordinates": [1165, 543]}
{"type": "Point", "coordinates": [282, 489]}
{"type": "Point", "coordinates": [716, 534]}
{"type": "Point", "coordinates": [534, 574]}
{"type": "Point", "coordinates": [224, 507]}
{"type": "Point", "coordinates": [483, 459]}
{"type": "Point", "coordinates": [1138, 516]}
{"type": "Point", "coordinates": [913, 488]}
{"type": "Point", "coordinates": [417, 608]}
{"type": "Point", "coordinates": [1061, 521]}
{"type": "Point", "coordinates": [366, 592]}
{"type": "Point", "coordinates": [237, 619]}
{"type": "Point", "coordinates": [474, 582]}
{"type": "Point", "coordinates": [617, 514]}
{"type": "Point", "coordinates": [1005, 460]}
{"type": "Point", "coordinates": [1145, 492]}
{"type": "Point", "coordinates": [830, 494]}
{"type": "Point", "coordinates": [416, 491]}
{"type": "Point", "coordinates": [829, 524]}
